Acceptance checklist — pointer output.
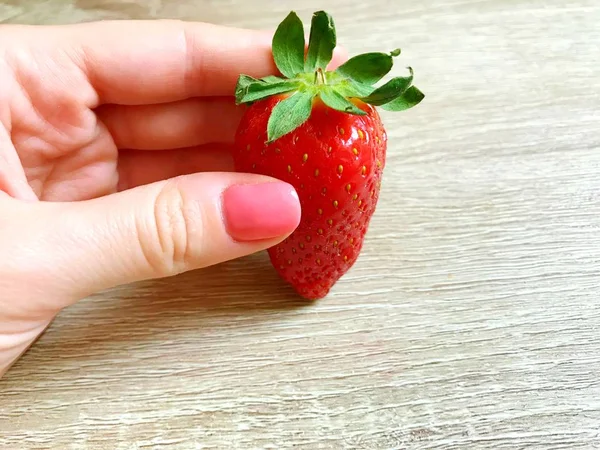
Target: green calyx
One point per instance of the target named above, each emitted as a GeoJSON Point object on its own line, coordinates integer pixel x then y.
{"type": "Point", "coordinates": [305, 77]}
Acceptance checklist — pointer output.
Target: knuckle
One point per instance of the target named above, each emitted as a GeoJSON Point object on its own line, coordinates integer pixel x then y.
{"type": "Point", "coordinates": [193, 57]}
{"type": "Point", "coordinates": [176, 226]}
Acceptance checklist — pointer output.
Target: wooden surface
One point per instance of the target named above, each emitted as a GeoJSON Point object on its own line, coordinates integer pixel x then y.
{"type": "Point", "coordinates": [472, 319]}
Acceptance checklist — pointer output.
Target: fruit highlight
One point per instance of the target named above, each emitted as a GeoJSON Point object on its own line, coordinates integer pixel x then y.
{"type": "Point", "coordinates": [320, 131]}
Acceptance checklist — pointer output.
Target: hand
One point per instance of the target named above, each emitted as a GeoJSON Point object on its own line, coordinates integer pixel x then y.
{"type": "Point", "coordinates": [115, 163]}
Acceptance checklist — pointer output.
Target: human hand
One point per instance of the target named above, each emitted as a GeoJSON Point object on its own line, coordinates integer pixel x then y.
{"type": "Point", "coordinates": [115, 163]}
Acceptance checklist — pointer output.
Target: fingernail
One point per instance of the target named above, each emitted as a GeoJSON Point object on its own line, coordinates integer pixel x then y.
{"type": "Point", "coordinates": [261, 211]}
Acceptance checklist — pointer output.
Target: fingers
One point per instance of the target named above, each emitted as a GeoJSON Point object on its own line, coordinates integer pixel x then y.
{"type": "Point", "coordinates": [132, 62]}
{"type": "Point", "coordinates": [179, 124]}
{"type": "Point", "coordinates": [162, 229]}
{"type": "Point", "coordinates": [144, 62]}
{"type": "Point", "coordinates": [12, 176]}
{"type": "Point", "coordinates": [138, 167]}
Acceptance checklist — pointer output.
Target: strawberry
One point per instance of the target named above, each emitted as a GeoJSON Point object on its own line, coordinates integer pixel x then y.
{"type": "Point", "coordinates": [320, 131]}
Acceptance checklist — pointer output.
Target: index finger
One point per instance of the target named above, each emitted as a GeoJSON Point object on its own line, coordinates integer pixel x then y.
{"type": "Point", "coordinates": [145, 62]}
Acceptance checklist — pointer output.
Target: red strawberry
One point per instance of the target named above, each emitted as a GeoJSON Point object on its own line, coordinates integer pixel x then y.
{"type": "Point", "coordinates": [319, 131]}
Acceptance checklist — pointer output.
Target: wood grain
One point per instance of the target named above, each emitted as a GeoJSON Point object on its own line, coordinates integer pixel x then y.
{"type": "Point", "coordinates": [472, 318]}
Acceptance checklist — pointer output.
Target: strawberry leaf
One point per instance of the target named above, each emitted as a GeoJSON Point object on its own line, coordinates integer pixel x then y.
{"type": "Point", "coordinates": [337, 101]}
{"type": "Point", "coordinates": [352, 89]}
{"type": "Point", "coordinates": [304, 76]}
{"type": "Point", "coordinates": [321, 42]}
{"type": "Point", "coordinates": [389, 91]}
{"type": "Point", "coordinates": [242, 86]}
{"type": "Point", "coordinates": [289, 114]}
{"type": "Point", "coordinates": [409, 98]}
{"type": "Point", "coordinates": [368, 68]}
{"type": "Point", "coordinates": [272, 78]}
{"type": "Point", "coordinates": [251, 89]}
{"type": "Point", "coordinates": [288, 46]}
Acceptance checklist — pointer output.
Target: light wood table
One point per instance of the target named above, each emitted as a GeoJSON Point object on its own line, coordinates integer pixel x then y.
{"type": "Point", "coordinates": [472, 318]}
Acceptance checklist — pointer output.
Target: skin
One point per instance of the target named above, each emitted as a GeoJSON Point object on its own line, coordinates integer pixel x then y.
{"type": "Point", "coordinates": [114, 154]}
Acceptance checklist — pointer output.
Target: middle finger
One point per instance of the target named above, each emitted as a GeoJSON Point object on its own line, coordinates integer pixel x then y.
{"type": "Point", "coordinates": [186, 123]}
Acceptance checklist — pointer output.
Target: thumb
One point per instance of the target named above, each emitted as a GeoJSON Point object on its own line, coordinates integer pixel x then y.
{"type": "Point", "coordinates": [165, 228]}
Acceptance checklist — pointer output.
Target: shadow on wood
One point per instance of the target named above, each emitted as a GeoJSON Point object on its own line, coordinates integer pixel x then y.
{"type": "Point", "coordinates": [244, 284]}
{"type": "Point", "coordinates": [237, 294]}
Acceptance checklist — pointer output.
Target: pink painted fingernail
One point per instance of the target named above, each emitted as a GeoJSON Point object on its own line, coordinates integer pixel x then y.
{"type": "Point", "coordinates": [261, 211]}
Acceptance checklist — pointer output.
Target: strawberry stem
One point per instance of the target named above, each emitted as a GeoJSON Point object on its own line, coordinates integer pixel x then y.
{"type": "Point", "coordinates": [320, 77]}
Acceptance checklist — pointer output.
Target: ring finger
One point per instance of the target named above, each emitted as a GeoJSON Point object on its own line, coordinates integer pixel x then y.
{"type": "Point", "coordinates": [139, 167]}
